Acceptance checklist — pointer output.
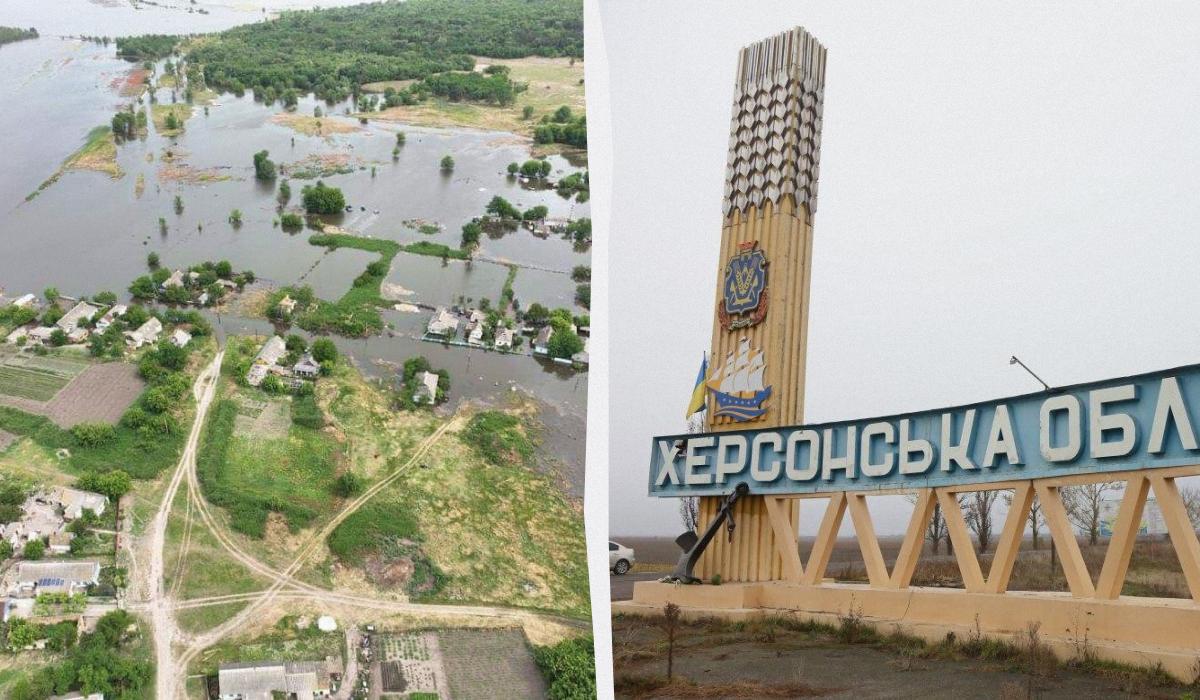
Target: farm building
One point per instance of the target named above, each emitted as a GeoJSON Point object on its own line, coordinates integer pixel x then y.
{"type": "Point", "coordinates": [57, 577]}
{"type": "Point", "coordinates": [475, 335]}
{"type": "Point", "coordinates": [109, 316]}
{"type": "Point", "coordinates": [146, 333]}
{"type": "Point", "coordinates": [180, 338]}
{"type": "Point", "coordinates": [175, 280]}
{"type": "Point", "coordinates": [268, 356]}
{"type": "Point", "coordinates": [260, 680]}
{"type": "Point", "coordinates": [25, 301]}
{"type": "Point", "coordinates": [41, 334]}
{"type": "Point", "coordinates": [426, 388]}
{"type": "Point", "coordinates": [307, 367]}
{"type": "Point", "coordinates": [541, 345]}
{"type": "Point", "coordinates": [79, 314]}
{"type": "Point", "coordinates": [73, 502]}
{"type": "Point", "coordinates": [443, 323]}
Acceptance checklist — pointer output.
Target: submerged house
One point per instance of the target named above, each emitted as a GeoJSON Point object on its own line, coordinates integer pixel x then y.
{"type": "Point", "coordinates": [110, 316]}
{"type": "Point", "coordinates": [541, 344]}
{"type": "Point", "coordinates": [426, 388]}
{"type": "Point", "coordinates": [443, 323]}
{"type": "Point", "coordinates": [504, 338]}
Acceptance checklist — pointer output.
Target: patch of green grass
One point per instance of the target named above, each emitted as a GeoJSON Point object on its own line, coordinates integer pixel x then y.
{"type": "Point", "coordinates": [499, 437]}
{"type": "Point", "coordinates": [194, 620]}
{"type": "Point", "coordinates": [284, 643]}
{"type": "Point", "coordinates": [251, 476]}
{"type": "Point", "coordinates": [356, 314]}
{"type": "Point", "coordinates": [140, 454]}
{"type": "Point", "coordinates": [437, 250]}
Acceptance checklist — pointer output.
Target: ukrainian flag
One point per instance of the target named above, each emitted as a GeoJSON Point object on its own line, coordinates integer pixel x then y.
{"type": "Point", "coordinates": [698, 393]}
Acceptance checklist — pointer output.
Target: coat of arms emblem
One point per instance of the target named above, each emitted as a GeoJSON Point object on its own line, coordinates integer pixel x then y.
{"type": "Point", "coordinates": [744, 288]}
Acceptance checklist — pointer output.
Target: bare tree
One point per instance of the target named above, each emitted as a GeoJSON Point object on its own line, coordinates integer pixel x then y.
{"type": "Point", "coordinates": [978, 513]}
{"type": "Point", "coordinates": [689, 513]}
{"type": "Point", "coordinates": [935, 532]}
{"type": "Point", "coordinates": [1191, 502]}
{"type": "Point", "coordinates": [1036, 520]}
{"type": "Point", "coordinates": [1084, 505]}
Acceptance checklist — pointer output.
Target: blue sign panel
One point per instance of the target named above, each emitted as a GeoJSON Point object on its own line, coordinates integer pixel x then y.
{"type": "Point", "coordinates": [1146, 421]}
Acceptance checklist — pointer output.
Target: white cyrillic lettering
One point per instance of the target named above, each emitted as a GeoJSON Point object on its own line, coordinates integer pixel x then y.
{"type": "Point", "coordinates": [845, 462]}
{"type": "Point", "coordinates": [695, 461]}
{"type": "Point", "coordinates": [957, 452]}
{"type": "Point", "coordinates": [1099, 422]}
{"type": "Point", "coordinates": [813, 438]}
{"type": "Point", "coordinates": [771, 471]}
{"type": "Point", "coordinates": [1070, 450]}
{"type": "Point", "coordinates": [877, 430]}
{"type": "Point", "coordinates": [725, 465]}
{"type": "Point", "coordinates": [666, 450]}
{"type": "Point", "coordinates": [1170, 405]}
{"type": "Point", "coordinates": [908, 446]}
{"type": "Point", "coordinates": [1001, 439]}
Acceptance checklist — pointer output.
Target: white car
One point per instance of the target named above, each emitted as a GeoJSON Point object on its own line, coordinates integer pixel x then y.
{"type": "Point", "coordinates": [620, 558]}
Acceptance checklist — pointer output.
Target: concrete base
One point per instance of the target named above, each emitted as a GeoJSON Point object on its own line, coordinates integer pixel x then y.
{"type": "Point", "coordinates": [1137, 631]}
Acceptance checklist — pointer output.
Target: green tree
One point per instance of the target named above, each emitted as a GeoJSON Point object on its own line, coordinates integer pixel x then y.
{"type": "Point", "coordinates": [58, 337]}
{"type": "Point", "coordinates": [34, 549]}
{"type": "Point", "coordinates": [290, 221]}
{"type": "Point", "coordinates": [400, 138]}
{"type": "Point", "coordinates": [321, 199]}
{"type": "Point", "coordinates": [471, 233]}
{"type": "Point", "coordinates": [324, 350]}
{"type": "Point", "coordinates": [51, 294]}
{"type": "Point", "coordinates": [178, 205]}
{"type": "Point", "coordinates": [264, 168]}
{"type": "Point", "coordinates": [527, 112]}
{"type": "Point", "coordinates": [447, 163]}
{"type": "Point", "coordinates": [514, 168]}
{"type": "Point", "coordinates": [94, 434]}
{"type": "Point", "coordinates": [152, 259]}
{"type": "Point", "coordinates": [536, 213]}
{"type": "Point", "coordinates": [235, 218]}
{"type": "Point", "coordinates": [564, 344]}
{"type": "Point", "coordinates": [143, 288]}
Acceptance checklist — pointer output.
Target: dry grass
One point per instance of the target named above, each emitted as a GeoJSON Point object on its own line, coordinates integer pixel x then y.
{"type": "Point", "coordinates": [635, 686]}
{"type": "Point", "coordinates": [553, 82]}
{"type": "Point", "coordinates": [315, 126]}
{"type": "Point", "coordinates": [158, 113]}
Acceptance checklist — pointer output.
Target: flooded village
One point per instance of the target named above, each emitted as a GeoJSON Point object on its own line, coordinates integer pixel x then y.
{"type": "Point", "coordinates": [224, 399]}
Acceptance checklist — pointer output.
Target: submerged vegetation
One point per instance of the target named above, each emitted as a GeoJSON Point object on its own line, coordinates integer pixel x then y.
{"type": "Point", "coordinates": [356, 314]}
{"type": "Point", "coordinates": [98, 153]}
{"type": "Point", "coordinates": [11, 34]}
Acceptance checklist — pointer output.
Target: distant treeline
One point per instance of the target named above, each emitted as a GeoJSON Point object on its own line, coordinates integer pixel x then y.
{"type": "Point", "coordinates": [11, 34]}
{"type": "Point", "coordinates": [333, 51]}
{"type": "Point", "coordinates": [148, 47]}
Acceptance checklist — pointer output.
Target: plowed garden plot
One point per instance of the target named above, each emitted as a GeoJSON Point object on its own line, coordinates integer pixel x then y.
{"type": "Point", "coordinates": [489, 664]}
{"type": "Point", "coordinates": [36, 378]}
{"type": "Point", "coordinates": [100, 393]}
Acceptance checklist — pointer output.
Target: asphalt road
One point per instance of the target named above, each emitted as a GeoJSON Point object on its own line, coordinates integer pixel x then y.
{"type": "Point", "coordinates": [621, 587]}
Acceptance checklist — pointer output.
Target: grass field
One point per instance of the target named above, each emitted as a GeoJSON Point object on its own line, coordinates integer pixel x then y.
{"type": "Point", "coordinates": [37, 378]}
{"type": "Point", "coordinates": [498, 531]}
{"type": "Point", "coordinates": [553, 82]}
{"type": "Point", "coordinates": [158, 114]}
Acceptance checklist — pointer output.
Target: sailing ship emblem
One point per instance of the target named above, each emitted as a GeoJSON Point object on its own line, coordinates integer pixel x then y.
{"type": "Point", "coordinates": [744, 290]}
{"type": "Point", "coordinates": [737, 385]}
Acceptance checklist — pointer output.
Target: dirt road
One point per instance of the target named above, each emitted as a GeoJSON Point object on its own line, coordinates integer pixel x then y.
{"type": "Point", "coordinates": [162, 616]}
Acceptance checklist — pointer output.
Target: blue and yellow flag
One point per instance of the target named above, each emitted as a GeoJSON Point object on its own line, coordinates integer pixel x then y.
{"type": "Point", "coordinates": [698, 393]}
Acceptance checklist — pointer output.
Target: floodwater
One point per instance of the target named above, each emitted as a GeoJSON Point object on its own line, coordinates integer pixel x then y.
{"type": "Point", "coordinates": [89, 232]}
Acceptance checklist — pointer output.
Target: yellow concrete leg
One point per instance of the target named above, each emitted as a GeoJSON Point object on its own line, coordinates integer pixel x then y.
{"type": "Point", "coordinates": [1183, 535]}
{"type": "Point", "coordinates": [960, 536]}
{"type": "Point", "coordinates": [785, 538]}
{"type": "Point", "coordinates": [864, 532]}
{"type": "Point", "coordinates": [1010, 539]}
{"type": "Point", "coordinates": [1078, 578]}
{"type": "Point", "coordinates": [914, 541]}
{"type": "Point", "coordinates": [818, 559]}
{"type": "Point", "coordinates": [1120, 545]}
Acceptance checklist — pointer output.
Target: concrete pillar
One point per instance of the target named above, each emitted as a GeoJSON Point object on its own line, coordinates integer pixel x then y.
{"type": "Point", "coordinates": [770, 197]}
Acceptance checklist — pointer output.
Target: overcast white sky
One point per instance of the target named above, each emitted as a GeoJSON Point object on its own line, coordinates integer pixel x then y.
{"type": "Point", "coordinates": [1007, 179]}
